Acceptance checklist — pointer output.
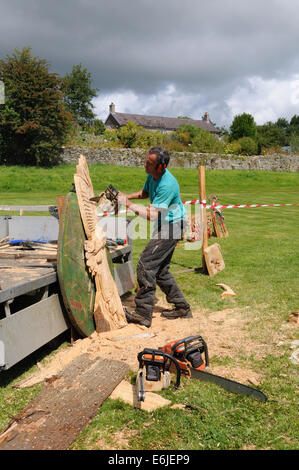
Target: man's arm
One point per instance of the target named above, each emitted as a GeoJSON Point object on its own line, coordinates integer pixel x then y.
{"type": "Point", "coordinates": [149, 213]}
{"type": "Point", "coordinates": [138, 195]}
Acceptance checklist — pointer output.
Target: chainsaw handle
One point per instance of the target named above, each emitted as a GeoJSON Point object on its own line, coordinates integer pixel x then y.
{"type": "Point", "coordinates": [185, 341]}
{"type": "Point", "coordinates": [157, 352]}
{"type": "Point", "coordinates": [178, 370]}
{"type": "Point", "coordinates": [188, 340]}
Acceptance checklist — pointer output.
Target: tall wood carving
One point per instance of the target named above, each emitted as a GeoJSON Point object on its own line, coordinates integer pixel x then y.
{"type": "Point", "coordinates": [108, 309]}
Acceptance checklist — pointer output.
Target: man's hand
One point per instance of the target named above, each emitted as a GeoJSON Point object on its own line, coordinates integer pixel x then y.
{"type": "Point", "coordinates": [122, 199]}
{"type": "Point", "coordinates": [149, 213]}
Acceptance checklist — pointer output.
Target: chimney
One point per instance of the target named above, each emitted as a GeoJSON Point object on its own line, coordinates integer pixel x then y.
{"type": "Point", "coordinates": [112, 108]}
{"type": "Point", "coordinates": [206, 117]}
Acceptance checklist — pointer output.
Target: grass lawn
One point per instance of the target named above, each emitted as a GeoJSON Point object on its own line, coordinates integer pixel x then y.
{"type": "Point", "coordinates": [261, 256]}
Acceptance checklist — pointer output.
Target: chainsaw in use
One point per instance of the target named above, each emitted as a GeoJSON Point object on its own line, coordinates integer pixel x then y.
{"type": "Point", "coordinates": [191, 356]}
{"type": "Point", "coordinates": [107, 200]}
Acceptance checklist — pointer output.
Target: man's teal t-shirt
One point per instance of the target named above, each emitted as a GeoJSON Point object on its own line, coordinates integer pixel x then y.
{"type": "Point", "coordinates": [164, 193]}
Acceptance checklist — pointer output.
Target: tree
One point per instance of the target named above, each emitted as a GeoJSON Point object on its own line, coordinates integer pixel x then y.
{"type": "Point", "coordinates": [294, 143]}
{"type": "Point", "coordinates": [79, 94]}
{"type": "Point", "coordinates": [282, 123]}
{"type": "Point", "coordinates": [243, 125]}
{"type": "Point", "coordinates": [99, 127]}
{"type": "Point", "coordinates": [272, 135]}
{"type": "Point", "coordinates": [222, 131]}
{"type": "Point", "coordinates": [33, 120]}
{"type": "Point", "coordinates": [294, 125]}
{"type": "Point", "coordinates": [184, 117]}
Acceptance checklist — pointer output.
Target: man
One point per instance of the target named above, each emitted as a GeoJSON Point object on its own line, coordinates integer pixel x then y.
{"type": "Point", "coordinates": [167, 210]}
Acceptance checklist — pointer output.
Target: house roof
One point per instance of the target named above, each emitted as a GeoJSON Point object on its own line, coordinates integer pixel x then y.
{"type": "Point", "coordinates": [159, 122]}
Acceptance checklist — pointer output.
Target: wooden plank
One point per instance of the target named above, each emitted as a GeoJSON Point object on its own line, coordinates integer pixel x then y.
{"type": "Point", "coordinates": [48, 265]}
{"type": "Point", "coordinates": [21, 287]}
{"type": "Point", "coordinates": [214, 260]}
{"type": "Point", "coordinates": [60, 202]}
{"type": "Point", "coordinates": [13, 276]}
{"type": "Point", "coordinates": [25, 208]}
{"type": "Point", "coordinates": [65, 406]}
{"type": "Point", "coordinates": [24, 263]}
{"type": "Point", "coordinates": [29, 254]}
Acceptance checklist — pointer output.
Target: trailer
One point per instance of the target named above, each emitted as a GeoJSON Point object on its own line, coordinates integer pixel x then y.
{"type": "Point", "coordinates": [32, 307]}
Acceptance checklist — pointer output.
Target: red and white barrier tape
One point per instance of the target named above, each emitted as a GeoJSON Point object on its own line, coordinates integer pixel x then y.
{"type": "Point", "coordinates": [207, 206]}
{"type": "Point", "coordinates": [237, 206]}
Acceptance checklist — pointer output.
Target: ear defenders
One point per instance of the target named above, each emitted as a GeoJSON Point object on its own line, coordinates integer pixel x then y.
{"type": "Point", "coordinates": [161, 165]}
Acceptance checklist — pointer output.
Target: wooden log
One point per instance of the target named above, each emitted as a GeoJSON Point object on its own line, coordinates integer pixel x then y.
{"type": "Point", "coordinates": [108, 309]}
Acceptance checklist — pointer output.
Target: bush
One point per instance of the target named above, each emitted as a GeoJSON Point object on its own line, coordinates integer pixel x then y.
{"type": "Point", "coordinates": [248, 146]}
{"type": "Point", "coordinates": [233, 148]}
{"type": "Point", "coordinates": [174, 146]}
{"type": "Point", "coordinates": [206, 143]}
{"type": "Point", "coordinates": [128, 135]}
{"type": "Point", "coordinates": [133, 136]}
{"type": "Point", "coordinates": [182, 137]}
{"type": "Point", "coordinates": [195, 139]}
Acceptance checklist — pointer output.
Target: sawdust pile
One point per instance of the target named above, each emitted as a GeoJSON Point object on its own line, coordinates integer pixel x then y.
{"type": "Point", "coordinates": [224, 331]}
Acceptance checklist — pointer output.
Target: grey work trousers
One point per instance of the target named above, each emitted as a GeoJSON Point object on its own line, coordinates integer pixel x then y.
{"type": "Point", "coordinates": [153, 269]}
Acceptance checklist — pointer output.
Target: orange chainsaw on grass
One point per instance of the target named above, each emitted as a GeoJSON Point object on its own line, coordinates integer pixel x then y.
{"type": "Point", "coordinates": [188, 356]}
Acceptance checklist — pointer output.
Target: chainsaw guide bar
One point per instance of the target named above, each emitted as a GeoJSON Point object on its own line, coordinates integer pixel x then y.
{"type": "Point", "coordinates": [227, 384]}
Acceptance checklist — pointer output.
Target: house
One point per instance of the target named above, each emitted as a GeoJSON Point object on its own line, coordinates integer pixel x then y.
{"type": "Point", "coordinates": [156, 123]}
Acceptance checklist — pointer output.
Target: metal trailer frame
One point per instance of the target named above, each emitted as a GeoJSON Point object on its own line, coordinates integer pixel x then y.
{"type": "Point", "coordinates": [26, 330]}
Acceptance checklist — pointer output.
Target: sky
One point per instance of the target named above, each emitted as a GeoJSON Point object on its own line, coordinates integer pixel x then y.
{"type": "Point", "coordinates": [169, 57]}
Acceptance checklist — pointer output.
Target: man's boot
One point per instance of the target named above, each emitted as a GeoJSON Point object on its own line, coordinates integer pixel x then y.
{"type": "Point", "coordinates": [134, 317]}
{"type": "Point", "coordinates": [177, 313]}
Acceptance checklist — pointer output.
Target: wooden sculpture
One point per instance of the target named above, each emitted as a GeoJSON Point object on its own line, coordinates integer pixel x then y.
{"type": "Point", "coordinates": [108, 309]}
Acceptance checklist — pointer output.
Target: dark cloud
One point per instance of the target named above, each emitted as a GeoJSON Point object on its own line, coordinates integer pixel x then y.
{"type": "Point", "coordinates": [203, 48]}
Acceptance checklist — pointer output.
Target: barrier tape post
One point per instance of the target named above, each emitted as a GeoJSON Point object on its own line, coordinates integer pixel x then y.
{"type": "Point", "coordinates": [203, 203]}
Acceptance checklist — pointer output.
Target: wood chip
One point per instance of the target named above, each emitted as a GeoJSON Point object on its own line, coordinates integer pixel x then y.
{"type": "Point", "coordinates": [294, 318]}
{"type": "Point", "coordinates": [228, 291]}
{"type": "Point", "coordinates": [127, 392]}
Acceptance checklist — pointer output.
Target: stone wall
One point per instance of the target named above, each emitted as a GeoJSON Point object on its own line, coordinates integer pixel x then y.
{"type": "Point", "coordinates": [135, 157]}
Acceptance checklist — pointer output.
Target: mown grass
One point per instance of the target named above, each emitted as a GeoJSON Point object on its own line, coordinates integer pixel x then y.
{"type": "Point", "coordinates": [261, 256]}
